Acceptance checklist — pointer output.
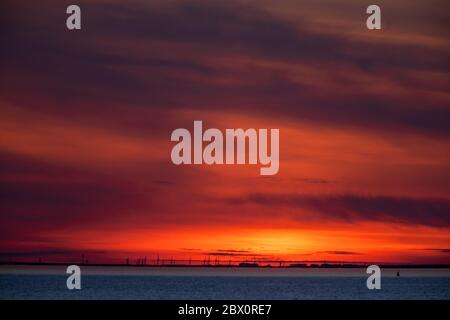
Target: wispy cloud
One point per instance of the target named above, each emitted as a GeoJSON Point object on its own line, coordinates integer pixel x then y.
{"type": "Point", "coordinates": [353, 208]}
{"type": "Point", "coordinates": [102, 73]}
{"type": "Point", "coordinates": [338, 252]}
{"type": "Point", "coordinates": [440, 250]}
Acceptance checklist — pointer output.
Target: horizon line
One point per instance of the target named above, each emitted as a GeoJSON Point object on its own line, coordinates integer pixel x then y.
{"type": "Point", "coordinates": [239, 265]}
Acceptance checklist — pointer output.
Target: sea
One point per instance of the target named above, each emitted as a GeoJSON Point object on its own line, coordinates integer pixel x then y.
{"type": "Point", "coordinates": [215, 283]}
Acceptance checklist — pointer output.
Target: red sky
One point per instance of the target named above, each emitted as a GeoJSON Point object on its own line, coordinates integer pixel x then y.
{"type": "Point", "coordinates": [86, 118]}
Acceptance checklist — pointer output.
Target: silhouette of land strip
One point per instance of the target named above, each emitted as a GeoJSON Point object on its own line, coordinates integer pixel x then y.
{"type": "Point", "coordinates": [235, 264]}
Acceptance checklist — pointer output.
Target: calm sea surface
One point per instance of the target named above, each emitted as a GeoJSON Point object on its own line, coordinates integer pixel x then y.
{"type": "Point", "coordinates": [43, 282]}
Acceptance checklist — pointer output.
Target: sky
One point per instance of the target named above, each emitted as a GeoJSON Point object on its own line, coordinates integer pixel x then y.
{"type": "Point", "coordinates": [86, 118]}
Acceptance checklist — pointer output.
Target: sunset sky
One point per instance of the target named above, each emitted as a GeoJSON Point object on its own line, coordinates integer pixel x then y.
{"type": "Point", "coordinates": [86, 118]}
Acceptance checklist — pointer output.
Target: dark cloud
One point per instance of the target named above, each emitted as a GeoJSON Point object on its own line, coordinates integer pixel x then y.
{"type": "Point", "coordinates": [314, 180]}
{"type": "Point", "coordinates": [164, 183]}
{"type": "Point", "coordinates": [354, 208]}
{"type": "Point", "coordinates": [73, 68]}
{"type": "Point", "coordinates": [36, 197]}
{"type": "Point", "coordinates": [233, 251]}
{"type": "Point", "coordinates": [440, 250]}
{"type": "Point", "coordinates": [39, 197]}
{"type": "Point", "coordinates": [339, 252]}
{"type": "Point", "coordinates": [50, 252]}
{"type": "Point", "coordinates": [226, 253]}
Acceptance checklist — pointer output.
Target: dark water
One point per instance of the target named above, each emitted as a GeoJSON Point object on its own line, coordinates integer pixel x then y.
{"type": "Point", "coordinates": [223, 284]}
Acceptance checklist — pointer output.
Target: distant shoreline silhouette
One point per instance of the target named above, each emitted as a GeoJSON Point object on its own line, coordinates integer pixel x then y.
{"type": "Point", "coordinates": [238, 265]}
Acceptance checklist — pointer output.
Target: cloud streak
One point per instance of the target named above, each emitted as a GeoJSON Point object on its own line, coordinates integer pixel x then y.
{"type": "Point", "coordinates": [354, 208]}
{"type": "Point", "coordinates": [207, 47]}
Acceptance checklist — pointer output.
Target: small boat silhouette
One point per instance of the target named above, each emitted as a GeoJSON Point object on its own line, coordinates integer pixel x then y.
{"type": "Point", "coordinates": [248, 265]}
